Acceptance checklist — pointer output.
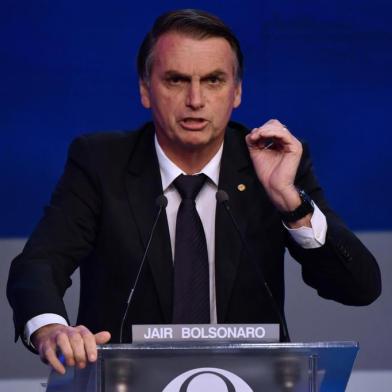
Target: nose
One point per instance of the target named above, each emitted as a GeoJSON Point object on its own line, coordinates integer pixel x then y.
{"type": "Point", "coordinates": [195, 98]}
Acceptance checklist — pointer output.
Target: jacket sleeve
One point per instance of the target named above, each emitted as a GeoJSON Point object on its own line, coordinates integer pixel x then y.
{"type": "Point", "coordinates": [40, 275]}
{"type": "Point", "coordinates": [343, 269]}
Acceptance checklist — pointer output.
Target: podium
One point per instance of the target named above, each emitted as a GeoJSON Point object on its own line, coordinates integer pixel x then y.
{"type": "Point", "coordinates": [277, 367]}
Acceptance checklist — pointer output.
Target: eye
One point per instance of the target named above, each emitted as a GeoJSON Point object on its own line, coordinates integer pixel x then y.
{"type": "Point", "coordinates": [214, 80]}
{"type": "Point", "coordinates": [175, 80]}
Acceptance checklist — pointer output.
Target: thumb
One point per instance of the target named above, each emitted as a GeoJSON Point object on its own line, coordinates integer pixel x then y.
{"type": "Point", "coordinates": [102, 337]}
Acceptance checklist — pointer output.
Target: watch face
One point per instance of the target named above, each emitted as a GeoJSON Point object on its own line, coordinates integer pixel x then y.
{"type": "Point", "coordinates": [305, 208]}
{"type": "Point", "coordinates": [304, 196]}
{"type": "Point", "coordinates": [301, 193]}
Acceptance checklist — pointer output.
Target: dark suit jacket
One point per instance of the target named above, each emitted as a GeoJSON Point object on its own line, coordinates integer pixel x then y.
{"type": "Point", "coordinates": [101, 214]}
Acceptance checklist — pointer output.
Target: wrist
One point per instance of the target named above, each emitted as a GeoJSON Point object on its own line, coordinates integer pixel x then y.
{"type": "Point", "coordinates": [41, 320]}
{"type": "Point", "coordinates": [302, 212]}
{"type": "Point", "coordinates": [303, 222]}
{"type": "Point", "coordinates": [42, 331]}
{"type": "Point", "coordinates": [286, 200]}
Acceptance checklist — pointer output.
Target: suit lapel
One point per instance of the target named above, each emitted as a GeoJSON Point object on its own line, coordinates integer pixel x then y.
{"type": "Point", "coordinates": [235, 178]}
{"type": "Point", "coordinates": [143, 183]}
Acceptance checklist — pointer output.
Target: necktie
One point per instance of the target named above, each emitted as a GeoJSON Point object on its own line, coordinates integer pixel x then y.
{"type": "Point", "coordinates": [191, 303]}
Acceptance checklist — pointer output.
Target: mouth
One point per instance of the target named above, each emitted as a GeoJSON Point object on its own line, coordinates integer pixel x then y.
{"type": "Point", "coordinates": [193, 123]}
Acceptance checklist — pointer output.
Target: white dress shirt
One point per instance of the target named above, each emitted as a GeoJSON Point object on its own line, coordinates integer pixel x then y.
{"type": "Point", "coordinates": [307, 237]}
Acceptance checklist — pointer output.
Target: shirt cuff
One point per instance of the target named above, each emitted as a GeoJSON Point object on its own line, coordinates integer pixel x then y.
{"type": "Point", "coordinates": [311, 237]}
{"type": "Point", "coordinates": [39, 321]}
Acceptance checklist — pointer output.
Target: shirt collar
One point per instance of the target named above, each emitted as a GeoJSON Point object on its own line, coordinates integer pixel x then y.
{"type": "Point", "coordinates": [170, 171]}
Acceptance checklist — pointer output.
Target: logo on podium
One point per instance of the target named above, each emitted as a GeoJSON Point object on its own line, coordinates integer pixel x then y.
{"type": "Point", "coordinates": [211, 379]}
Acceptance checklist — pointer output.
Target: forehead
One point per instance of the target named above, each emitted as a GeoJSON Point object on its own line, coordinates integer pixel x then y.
{"type": "Point", "coordinates": [179, 52]}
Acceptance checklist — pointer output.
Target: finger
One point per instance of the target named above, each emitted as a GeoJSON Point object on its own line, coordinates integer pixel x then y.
{"type": "Point", "coordinates": [263, 142]}
{"type": "Point", "coordinates": [102, 337]}
{"type": "Point", "coordinates": [282, 134]}
{"type": "Point", "coordinates": [274, 123]}
{"type": "Point", "coordinates": [90, 345]}
{"type": "Point", "coordinates": [49, 356]}
{"type": "Point", "coordinates": [91, 341]}
{"type": "Point", "coordinates": [259, 142]}
{"type": "Point", "coordinates": [281, 138]}
{"type": "Point", "coordinates": [78, 349]}
{"type": "Point", "coordinates": [64, 345]}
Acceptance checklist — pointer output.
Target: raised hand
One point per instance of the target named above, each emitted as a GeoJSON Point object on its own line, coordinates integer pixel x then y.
{"type": "Point", "coordinates": [276, 154]}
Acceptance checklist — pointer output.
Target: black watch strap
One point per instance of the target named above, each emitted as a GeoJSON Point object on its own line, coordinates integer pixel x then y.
{"type": "Point", "coordinates": [305, 208]}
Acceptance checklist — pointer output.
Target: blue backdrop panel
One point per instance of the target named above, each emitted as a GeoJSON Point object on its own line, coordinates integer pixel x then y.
{"type": "Point", "coordinates": [323, 68]}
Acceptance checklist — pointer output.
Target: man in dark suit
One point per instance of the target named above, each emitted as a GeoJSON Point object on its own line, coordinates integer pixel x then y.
{"type": "Point", "coordinates": [102, 211]}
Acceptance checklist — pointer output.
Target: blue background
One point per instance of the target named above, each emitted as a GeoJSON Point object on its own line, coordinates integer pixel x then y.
{"type": "Point", "coordinates": [323, 68]}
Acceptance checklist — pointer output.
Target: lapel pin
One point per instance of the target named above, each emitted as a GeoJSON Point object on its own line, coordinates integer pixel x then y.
{"type": "Point", "coordinates": [241, 187]}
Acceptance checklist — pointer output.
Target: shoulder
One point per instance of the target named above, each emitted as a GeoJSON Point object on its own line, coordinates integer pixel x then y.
{"type": "Point", "coordinates": [107, 154]}
{"type": "Point", "coordinates": [111, 141]}
{"type": "Point", "coordinates": [109, 147]}
{"type": "Point", "coordinates": [236, 129]}
{"type": "Point", "coordinates": [235, 135]}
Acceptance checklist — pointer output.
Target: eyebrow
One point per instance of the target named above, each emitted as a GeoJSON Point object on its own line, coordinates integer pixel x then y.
{"type": "Point", "coordinates": [216, 73]}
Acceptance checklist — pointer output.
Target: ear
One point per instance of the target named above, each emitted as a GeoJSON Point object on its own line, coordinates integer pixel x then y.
{"type": "Point", "coordinates": [144, 94]}
{"type": "Point", "coordinates": [237, 95]}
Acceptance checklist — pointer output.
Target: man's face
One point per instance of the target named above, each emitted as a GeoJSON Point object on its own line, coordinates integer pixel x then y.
{"type": "Point", "coordinates": [192, 91]}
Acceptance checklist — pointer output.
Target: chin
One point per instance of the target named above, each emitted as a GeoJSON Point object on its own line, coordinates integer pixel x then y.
{"type": "Point", "coordinates": [196, 141]}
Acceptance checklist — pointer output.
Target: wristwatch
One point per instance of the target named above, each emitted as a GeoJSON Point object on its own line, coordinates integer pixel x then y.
{"type": "Point", "coordinates": [302, 210]}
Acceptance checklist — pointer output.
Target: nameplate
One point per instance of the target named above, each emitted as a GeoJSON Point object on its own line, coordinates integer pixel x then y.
{"type": "Point", "coordinates": [214, 333]}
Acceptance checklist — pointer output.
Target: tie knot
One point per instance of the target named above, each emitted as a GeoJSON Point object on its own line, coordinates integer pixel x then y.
{"type": "Point", "coordinates": [189, 186]}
